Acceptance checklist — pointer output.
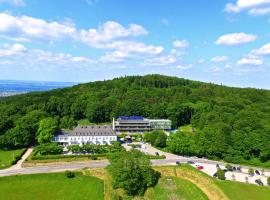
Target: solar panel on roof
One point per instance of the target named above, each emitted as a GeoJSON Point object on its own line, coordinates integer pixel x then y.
{"type": "Point", "coordinates": [131, 118]}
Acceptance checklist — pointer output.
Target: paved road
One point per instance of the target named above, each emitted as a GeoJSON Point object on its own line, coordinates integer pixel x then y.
{"type": "Point", "coordinates": [209, 165]}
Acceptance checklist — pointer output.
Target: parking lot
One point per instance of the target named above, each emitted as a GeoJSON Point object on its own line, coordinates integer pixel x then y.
{"type": "Point", "coordinates": [208, 166]}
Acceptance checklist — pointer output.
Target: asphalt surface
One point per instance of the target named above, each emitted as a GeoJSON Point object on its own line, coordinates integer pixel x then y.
{"type": "Point", "coordinates": [170, 160]}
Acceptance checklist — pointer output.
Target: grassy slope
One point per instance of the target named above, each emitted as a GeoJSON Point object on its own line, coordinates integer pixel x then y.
{"type": "Point", "coordinates": [6, 157]}
{"type": "Point", "coordinates": [50, 186]}
{"type": "Point", "coordinates": [174, 188]}
{"type": "Point", "coordinates": [239, 191]}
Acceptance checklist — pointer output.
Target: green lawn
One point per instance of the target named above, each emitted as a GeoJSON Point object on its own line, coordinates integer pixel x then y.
{"type": "Point", "coordinates": [51, 186]}
{"type": "Point", "coordinates": [240, 191]}
{"type": "Point", "coordinates": [6, 157]}
{"type": "Point", "coordinates": [175, 188]}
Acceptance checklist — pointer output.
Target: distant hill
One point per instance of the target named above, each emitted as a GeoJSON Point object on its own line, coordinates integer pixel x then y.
{"type": "Point", "coordinates": [233, 122]}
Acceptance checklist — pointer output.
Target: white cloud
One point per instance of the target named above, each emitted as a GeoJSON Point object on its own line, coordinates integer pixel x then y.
{"type": "Point", "coordinates": [114, 57]}
{"type": "Point", "coordinates": [259, 11]}
{"type": "Point", "coordinates": [201, 61]}
{"type": "Point", "coordinates": [14, 2]}
{"type": "Point", "coordinates": [160, 61]}
{"type": "Point", "coordinates": [264, 50]}
{"type": "Point", "coordinates": [214, 69]}
{"type": "Point", "coordinates": [165, 21]}
{"type": "Point", "coordinates": [254, 6]}
{"type": "Point", "coordinates": [109, 31]}
{"type": "Point", "coordinates": [235, 39]}
{"type": "Point", "coordinates": [250, 61]}
{"type": "Point", "coordinates": [219, 59]}
{"type": "Point", "coordinates": [180, 44]}
{"type": "Point", "coordinates": [25, 28]}
{"type": "Point", "coordinates": [184, 67]}
{"type": "Point", "coordinates": [10, 50]}
{"type": "Point", "coordinates": [133, 47]}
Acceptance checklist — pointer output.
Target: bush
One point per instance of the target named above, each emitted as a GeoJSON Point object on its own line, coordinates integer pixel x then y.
{"type": "Point", "coordinates": [51, 157]}
{"type": "Point", "coordinates": [70, 174]}
{"type": "Point", "coordinates": [93, 157]}
{"type": "Point", "coordinates": [229, 167]}
{"type": "Point", "coordinates": [48, 149]}
{"type": "Point", "coordinates": [268, 181]}
{"type": "Point", "coordinates": [220, 174]}
{"type": "Point", "coordinates": [251, 171]}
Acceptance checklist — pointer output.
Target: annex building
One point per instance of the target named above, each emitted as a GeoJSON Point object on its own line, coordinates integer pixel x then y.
{"type": "Point", "coordinates": [101, 135]}
{"type": "Point", "coordinates": [140, 124]}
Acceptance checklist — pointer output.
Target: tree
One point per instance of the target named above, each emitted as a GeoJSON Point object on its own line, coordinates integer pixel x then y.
{"type": "Point", "coordinates": [156, 138]}
{"type": "Point", "coordinates": [46, 130]}
{"type": "Point", "coordinates": [220, 174]}
{"type": "Point", "coordinates": [229, 167]}
{"type": "Point", "coordinates": [132, 172]}
{"type": "Point", "coordinates": [182, 143]}
{"type": "Point", "coordinates": [48, 149]}
{"type": "Point", "coordinates": [251, 171]}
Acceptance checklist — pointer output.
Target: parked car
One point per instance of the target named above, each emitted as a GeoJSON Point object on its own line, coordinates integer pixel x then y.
{"type": "Point", "coordinates": [157, 154]}
{"type": "Point", "coordinates": [215, 175]}
{"type": "Point", "coordinates": [200, 167]}
{"type": "Point", "coordinates": [259, 182]}
{"type": "Point", "coordinates": [234, 169]}
{"type": "Point", "coordinates": [217, 165]}
{"type": "Point", "coordinates": [225, 170]}
{"type": "Point", "coordinates": [257, 172]}
{"type": "Point", "coordinates": [178, 163]}
{"type": "Point", "coordinates": [190, 162]}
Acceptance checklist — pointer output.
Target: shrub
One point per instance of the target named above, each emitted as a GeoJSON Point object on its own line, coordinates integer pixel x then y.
{"type": "Point", "coordinates": [48, 149]}
{"type": "Point", "coordinates": [251, 171]}
{"type": "Point", "coordinates": [229, 167]}
{"type": "Point", "coordinates": [70, 174]}
{"type": "Point", "coordinates": [220, 174]}
{"type": "Point", "coordinates": [268, 181]}
{"type": "Point", "coordinates": [93, 157]}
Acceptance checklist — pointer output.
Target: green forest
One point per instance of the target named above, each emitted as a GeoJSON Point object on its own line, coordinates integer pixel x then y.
{"type": "Point", "coordinates": [232, 124]}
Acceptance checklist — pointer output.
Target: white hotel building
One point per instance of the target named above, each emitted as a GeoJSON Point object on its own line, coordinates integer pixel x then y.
{"type": "Point", "coordinates": [101, 135]}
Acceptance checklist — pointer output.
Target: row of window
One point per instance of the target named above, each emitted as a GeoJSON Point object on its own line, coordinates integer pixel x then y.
{"type": "Point", "coordinates": [86, 138]}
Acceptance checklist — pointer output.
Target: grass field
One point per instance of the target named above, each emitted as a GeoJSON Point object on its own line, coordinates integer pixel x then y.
{"type": "Point", "coordinates": [51, 186]}
{"type": "Point", "coordinates": [240, 191]}
{"type": "Point", "coordinates": [6, 157]}
{"type": "Point", "coordinates": [174, 188]}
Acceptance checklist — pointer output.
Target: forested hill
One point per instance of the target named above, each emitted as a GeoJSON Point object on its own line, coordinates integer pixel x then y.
{"type": "Point", "coordinates": [234, 120]}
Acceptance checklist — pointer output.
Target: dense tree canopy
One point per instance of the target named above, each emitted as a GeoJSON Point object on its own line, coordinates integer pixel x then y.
{"type": "Point", "coordinates": [232, 123]}
{"type": "Point", "coordinates": [46, 130]}
{"type": "Point", "coordinates": [132, 172]}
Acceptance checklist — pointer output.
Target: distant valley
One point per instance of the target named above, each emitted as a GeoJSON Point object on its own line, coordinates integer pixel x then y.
{"type": "Point", "coordinates": [13, 87]}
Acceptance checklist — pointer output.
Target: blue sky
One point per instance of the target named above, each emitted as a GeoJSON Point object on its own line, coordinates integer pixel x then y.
{"type": "Point", "coordinates": [224, 41]}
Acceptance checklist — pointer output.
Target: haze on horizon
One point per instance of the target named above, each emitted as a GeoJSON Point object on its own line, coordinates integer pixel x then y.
{"type": "Point", "coordinates": [224, 41]}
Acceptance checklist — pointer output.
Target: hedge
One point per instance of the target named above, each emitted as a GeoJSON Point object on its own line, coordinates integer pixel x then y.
{"type": "Point", "coordinates": [48, 157]}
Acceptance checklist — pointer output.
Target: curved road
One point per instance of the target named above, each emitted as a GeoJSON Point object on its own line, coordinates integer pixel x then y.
{"type": "Point", "coordinates": [170, 160]}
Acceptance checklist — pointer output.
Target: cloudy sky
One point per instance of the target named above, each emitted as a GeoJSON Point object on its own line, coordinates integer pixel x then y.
{"type": "Point", "coordinates": [224, 41]}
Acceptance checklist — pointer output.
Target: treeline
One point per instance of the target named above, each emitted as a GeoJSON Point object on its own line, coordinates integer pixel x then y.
{"type": "Point", "coordinates": [232, 122]}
